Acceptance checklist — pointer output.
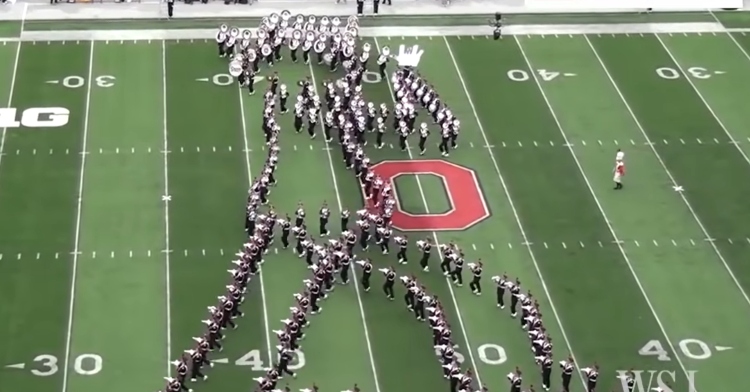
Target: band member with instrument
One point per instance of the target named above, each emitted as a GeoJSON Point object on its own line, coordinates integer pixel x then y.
{"type": "Point", "coordinates": [383, 61]}
{"type": "Point", "coordinates": [221, 38]}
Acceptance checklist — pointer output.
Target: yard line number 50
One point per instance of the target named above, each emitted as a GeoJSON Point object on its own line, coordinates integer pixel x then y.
{"type": "Point", "coordinates": [84, 364]}
{"type": "Point", "coordinates": [691, 348]}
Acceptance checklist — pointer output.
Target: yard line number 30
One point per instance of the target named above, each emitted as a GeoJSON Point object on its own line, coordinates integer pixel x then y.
{"type": "Point", "coordinates": [695, 72]}
{"type": "Point", "coordinates": [690, 348]}
{"type": "Point", "coordinates": [80, 81]}
{"type": "Point", "coordinates": [490, 354]}
{"type": "Point", "coordinates": [84, 364]}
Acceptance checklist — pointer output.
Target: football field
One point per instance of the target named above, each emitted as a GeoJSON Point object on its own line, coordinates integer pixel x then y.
{"type": "Point", "coordinates": [124, 171]}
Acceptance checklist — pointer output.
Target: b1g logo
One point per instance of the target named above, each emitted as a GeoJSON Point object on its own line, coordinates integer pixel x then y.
{"type": "Point", "coordinates": [467, 204]}
{"type": "Point", "coordinates": [51, 117]}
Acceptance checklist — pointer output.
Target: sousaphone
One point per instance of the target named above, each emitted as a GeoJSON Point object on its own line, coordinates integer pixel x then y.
{"type": "Point", "coordinates": [298, 35]}
{"type": "Point", "coordinates": [234, 32]}
{"type": "Point", "coordinates": [311, 36]}
{"type": "Point", "coordinates": [299, 19]}
{"type": "Point", "coordinates": [319, 46]}
{"type": "Point", "coordinates": [335, 21]}
{"type": "Point", "coordinates": [348, 51]}
{"type": "Point", "coordinates": [385, 51]}
{"type": "Point", "coordinates": [337, 38]}
{"type": "Point", "coordinates": [247, 34]}
{"type": "Point", "coordinates": [266, 50]}
{"type": "Point", "coordinates": [324, 21]}
{"type": "Point", "coordinates": [350, 41]}
{"type": "Point", "coordinates": [286, 15]}
{"type": "Point", "coordinates": [262, 35]}
{"type": "Point", "coordinates": [274, 18]}
{"type": "Point", "coordinates": [264, 22]}
{"type": "Point", "coordinates": [352, 19]}
{"type": "Point", "coordinates": [353, 31]}
{"type": "Point", "coordinates": [366, 47]}
{"type": "Point", "coordinates": [251, 55]}
{"type": "Point", "coordinates": [222, 34]}
{"type": "Point", "coordinates": [312, 19]}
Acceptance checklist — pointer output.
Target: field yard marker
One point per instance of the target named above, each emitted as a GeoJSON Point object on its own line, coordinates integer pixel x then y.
{"type": "Point", "coordinates": [19, 256]}
{"type": "Point", "coordinates": [656, 243]}
{"type": "Point", "coordinates": [112, 255]}
{"type": "Point", "coordinates": [57, 255]}
{"type": "Point", "coordinates": [602, 245]}
{"type": "Point", "coordinates": [492, 246]}
{"type": "Point", "coordinates": [93, 254]}
{"type": "Point", "coordinates": [130, 254]}
{"type": "Point", "coordinates": [674, 242]}
{"type": "Point", "coordinates": [197, 149]}
{"type": "Point", "coordinates": [551, 143]}
{"type": "Point", "coordinates": [469, 348]}
{"type": "Point", "coordinates": [221, 252]}
{"type": "Point", "coordinates": [564, 246]}
{"type": "Point", "coordinates": [665, 141]}
{"type": "Point", "coordinates": [581, 243]}
{"type": "Point", "coordinates": [474, 246]}
{"type": "Point", "coordinates": [117, 150]}
{"type": "Point", "coordinates": [185, 252]}
{"type": "Point", "coordinates": [519, 144]}
{"type": "Point", "coordinates": [693, 242]}
{"type": "Point", "coordinates": [167, 247]}
{"type": "Point", "coordinates": [616, 143]}
{"type": "Point", "coordinates": [203, 251]}
{"type": "Point", "coordinates": [354, 272]}
{"type": "Point", "coordinates": [18, 152]}
{"type": "Point", "coordinates": [666, 169]}
{"type": "Point", "coordinates": [717, 140]}
{"type": "Point", "coordinates": [77, 239]}
{"type": "Point", "coordinates": [681, 141]}
{"type": "Point", "coordinates": [182, 149]}
{"type": "Point", "coordinates": [730, 241]}
{"type": "Point", "coordinates": [710, 109]}
{"type": "Point", "coordinates": [132, 150]}
{"type": "Point", "coordinates": [545, 246]}
{"type": "Point", "coordinates": [535, 145]}
{"type": "Point", "coordinates": [250, 176]}
{"type": "Point", "coordinates": [699, 141]}
{"type": "Point", "coordinates": [598, 203]}
{"type": "Point", "coordinates": [38, 255]}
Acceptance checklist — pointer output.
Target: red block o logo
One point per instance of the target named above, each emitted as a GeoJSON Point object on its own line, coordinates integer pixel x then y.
{"type": "Point", "coordinates": [468, 206]}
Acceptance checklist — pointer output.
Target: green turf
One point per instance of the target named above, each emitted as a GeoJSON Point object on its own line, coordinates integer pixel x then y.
{"type": "Point", "coordinates": [603, 300]}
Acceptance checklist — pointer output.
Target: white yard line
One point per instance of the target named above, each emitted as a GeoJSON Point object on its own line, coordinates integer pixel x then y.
{"type": "Point", "coordinates": [469, 348]}
{"type": "Point", "coordinates": [13, 83]}
{"type": "Point", "coordinates": [269, 347]}
{"type": "Point", "coordinates": [513, 208]}
{"type": "Point", "coordinates": [77, 239]}
{"type": "Point", "coordinates": [700, 95]}
{"type": "Point", "coordinates": [599, 206]}
{"type": "Point", "coordinates": [669, 174]}
{"type": "Point", "coordinates": [167, 249]}
{"type": "Point", "coordinates": [354, 271]}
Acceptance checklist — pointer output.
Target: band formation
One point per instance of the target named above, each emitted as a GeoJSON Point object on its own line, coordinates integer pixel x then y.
{"type": "Point", "coordinates": [344, 111]}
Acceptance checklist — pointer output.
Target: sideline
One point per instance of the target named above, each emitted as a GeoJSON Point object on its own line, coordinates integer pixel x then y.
{"type": "Point", "coordinates": [411, 31]}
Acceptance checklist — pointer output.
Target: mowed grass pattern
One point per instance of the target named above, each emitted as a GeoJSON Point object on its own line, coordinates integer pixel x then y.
{"type": "Point", "coordinates": [613, 271]}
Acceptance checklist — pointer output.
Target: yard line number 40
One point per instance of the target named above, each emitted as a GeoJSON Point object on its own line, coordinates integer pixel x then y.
{"type": "Point", "coordinates": [690, 348]}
